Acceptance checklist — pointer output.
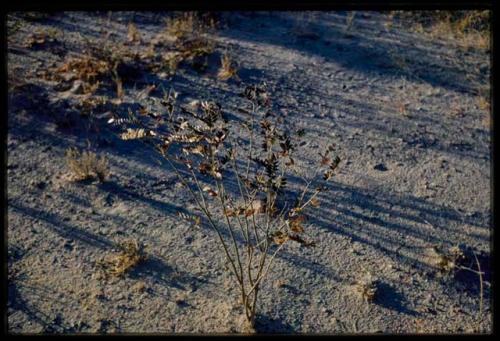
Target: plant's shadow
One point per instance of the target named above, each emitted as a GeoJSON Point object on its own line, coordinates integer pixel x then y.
{"type": "Point", "coordinates": [160, 272]}
{"type": "Point", "coordinates": [389, 298]}
{"type": "Point", "coordinates": [267, 325]}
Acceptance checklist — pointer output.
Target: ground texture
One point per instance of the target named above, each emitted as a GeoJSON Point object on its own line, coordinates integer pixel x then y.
{"type": "Point", "coordinates": [405, 110]}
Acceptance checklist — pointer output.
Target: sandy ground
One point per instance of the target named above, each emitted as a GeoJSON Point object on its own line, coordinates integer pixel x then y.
{"type": "Point", "coordinates": [415, 143]}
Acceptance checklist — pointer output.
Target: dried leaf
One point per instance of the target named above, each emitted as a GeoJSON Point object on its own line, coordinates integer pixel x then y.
{"type": "Point", "coordinates": [280, 237]}
{"type": "Point", "coordinates": [210, 191]}
{"type": "Point", "coordinates": [136, 134]}
{"type": "Point", "coordinates": [296, 223]}
{"type": "Point", "coordinates": [190, 218]}
{"type": "Point", "coordinates": [314, 202]}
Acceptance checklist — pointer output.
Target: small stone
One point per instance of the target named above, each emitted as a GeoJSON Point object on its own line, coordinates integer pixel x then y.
{"type": "Point", "coordinates": [380, 167]}
{"type": "Point", "coordinates": [77, 88]}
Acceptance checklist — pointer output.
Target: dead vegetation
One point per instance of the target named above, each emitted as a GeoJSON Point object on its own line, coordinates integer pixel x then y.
{"type": "Point", "coordinates": [183, 25]}
{"type": "Point", "coordinates": [228, 68]}
{"type": "Point", "coordinates": [262, 215]}
{"type": "Point", "coordinates": [365, 288]}
{"type": "Point", "coordinates": [445, 261]}
{"type": "Point", "coordinates": [133, 35]}
{"type": "Point", "coordinates": [130, 254]}
{"type": "Point", "coordinates": [470, 29]}
{"type": "Point", "coordinates": [86, 165]}
{"type": "Point", "coordinates": [456, 259]}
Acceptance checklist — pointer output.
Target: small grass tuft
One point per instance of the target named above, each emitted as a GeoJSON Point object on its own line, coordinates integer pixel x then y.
{"type": "Point", "coordinates": [366, 288]}
{"type": "Point", "coordinates": [86, 165]}
{"type": "Point", "coordinates": [228, 68]}
{"type": "Point", "coordinates": [130, 255]}
{"type": "Point", "coordinates": [445, 261]}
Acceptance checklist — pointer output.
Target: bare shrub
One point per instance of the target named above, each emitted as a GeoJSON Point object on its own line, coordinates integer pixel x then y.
{"type": "Point", "coordinates": [259, 217]}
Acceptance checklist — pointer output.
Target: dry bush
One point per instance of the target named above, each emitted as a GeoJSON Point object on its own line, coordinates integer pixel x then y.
{"type": "Point", "coordinates": [471, 29]}
{"type": "Point", "coordinates": [261, 218]}
{"type": "Point", "coordinates": [86, 165]}
{"type": "Point", "coordinates": [131, 253]}
{"type": "Point", "coordinates": [101, 65]}
{"type": "Point", "coordinates": [227, 69]}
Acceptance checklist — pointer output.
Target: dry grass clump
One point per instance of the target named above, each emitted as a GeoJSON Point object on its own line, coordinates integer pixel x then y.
{"type": "Point", "coordinates": [191, 43]}
{"type": "Point", "coordinates": [86, 68]}
{"type": "Point", "coordinates": [227, 69]}
{"type": "Point", "coordinates": [86, 165]}
{"type": "Point", "coordinates": [181, 25]}
{"type": "Point", "coordinates": [471, 29]}
{"type": "Point", "coordinates": [130, 255]}
{"type": "Point", "coordinates": [185, 24]}
{"type": "Point", "coordinates": [366, 288]}
{"type": "Point", "coordinates": [449, 262]}
{"type": "Point", "coordinates": [196, 47]}
{"type": "Point", "coordinates": [445, 261]}
{"type": "Point", "coordinates": [133, 35]}
{"type": "Point", "coordinates": [194, 50]}
{"type": "Point", "coordinates": [101, 65]}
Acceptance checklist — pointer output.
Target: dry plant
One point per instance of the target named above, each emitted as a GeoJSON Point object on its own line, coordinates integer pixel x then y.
{"type": "Point", "coordinates": [228, 68]}
{"type": "Point", "coordinates": [185, 24]}
{"type": "Point", "coordinates": [86, 165]}
{"type": "Point", "coordinates": [450, 261]}
{"type": "Point", "coordinates": [483, 103]}
{"type": "Point", "coordinates": [470, 29]}
{"type": "Point", "coordinates": [194, 50]}
{"type": "Point", "coordinates": [101, 64]}
{"type": "Point", "coordinates": [239, 187]}
{"type": "Point", "coordinates": [196, 47]}
{"type": "Point", "coordinates": [191, 43]}
{"type": "Point", "coordinates": [181, 25]}
{"type": "Point", "coordinates": [131, 253]}
{"type": "Point", "coordinates": [133, 35]}
{"type": "Point", "coordinates": [349, 21]}
{"type": "Point", "coordinates": [366, 288]}
{"type": "Point", "coordinates": [445, 261]}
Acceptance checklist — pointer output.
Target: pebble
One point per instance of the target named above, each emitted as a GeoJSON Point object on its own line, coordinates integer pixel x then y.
{"type": "Point", "coordinates": [77, 88]}
{"type": "Point", "coordinates": [380, 167]}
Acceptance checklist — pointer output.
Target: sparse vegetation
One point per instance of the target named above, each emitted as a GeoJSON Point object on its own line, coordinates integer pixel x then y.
{"type": "Point", "coordinates": [366, 288]}
{"type": "Point", "coordinates": [249, 182]}
{"type": "Point", "coordinates": [260, 219]}
{"type": "Point", "coordinates": [227, 69]}
{"type": "Point", "coordinates": [133, 34]}
{"type": "Point", "coordinates": [186, 24]}
{"type": "Point", "coordinates": [471, 29]}
{"type": "Point", "coordinates": [455, 259]}
{"type": "Point", "coordinates": [130, 254]}
{"type": "Point", "coordinates": [86, 165]}
{"type": "Point", "coordinates": [445, 261]}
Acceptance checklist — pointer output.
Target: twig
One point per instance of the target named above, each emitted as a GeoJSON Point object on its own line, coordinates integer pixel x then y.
{"type": "Point", "coordinates": [480, 285]}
